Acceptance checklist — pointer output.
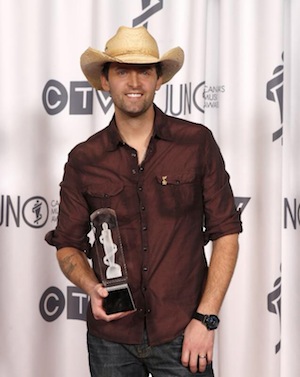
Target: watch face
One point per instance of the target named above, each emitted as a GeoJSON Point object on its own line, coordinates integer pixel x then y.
{"type": "Point", "coordinates": [212, 322]}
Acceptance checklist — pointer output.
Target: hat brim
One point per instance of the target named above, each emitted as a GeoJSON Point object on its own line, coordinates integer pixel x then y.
{"type": "Point", "coordinates": [92, 62]}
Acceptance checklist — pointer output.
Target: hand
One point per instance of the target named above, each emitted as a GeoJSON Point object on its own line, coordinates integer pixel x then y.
{"type": "Point", "coordinates": [97, 295]}
{"type": "Point", "coordinates": [197, 348]}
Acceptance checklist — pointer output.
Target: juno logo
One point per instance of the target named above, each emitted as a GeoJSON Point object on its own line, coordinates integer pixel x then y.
{"type": "Point", "coordinates": [34, 211]}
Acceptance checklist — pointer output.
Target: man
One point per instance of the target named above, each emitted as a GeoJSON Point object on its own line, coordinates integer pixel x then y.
{"type": "Point", "coordinates": [165, 178]}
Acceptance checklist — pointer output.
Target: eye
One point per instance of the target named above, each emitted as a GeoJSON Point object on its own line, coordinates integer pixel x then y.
{"type": "Point", "coordinates": [148, 71]}
{"type": "Point", "coordinates": [121, 72]}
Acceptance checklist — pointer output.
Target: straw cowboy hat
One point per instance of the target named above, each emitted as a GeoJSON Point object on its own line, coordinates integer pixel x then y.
{"type": "Point", "coordinates": [131, 46]}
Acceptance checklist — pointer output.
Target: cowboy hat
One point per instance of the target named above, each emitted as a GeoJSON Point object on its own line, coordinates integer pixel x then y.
{"type": "Point", "coordinates": [130, 46]}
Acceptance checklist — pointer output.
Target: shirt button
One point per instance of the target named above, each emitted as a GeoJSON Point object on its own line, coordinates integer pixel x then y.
{"type": "Point", "coordinates": [141, 168]}
{"type": "Point", "coordinates": [145, 269]}
{"type": "Point", "coordinates": [148, 311]}
{"type": "Point", "coordinates": [143, 208]}
{"type": "Point", "coordinates": [144, 227]}
{"type": "Point", "coordinates": [133, 171]}
{"type": "Point", "coordinates": [140, 188]}
{"type": "Point", "coordinates": [133, 154]}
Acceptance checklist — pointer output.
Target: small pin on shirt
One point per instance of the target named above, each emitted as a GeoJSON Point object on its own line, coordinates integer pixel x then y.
{"type": "Point", "coordinates": [164, 181]}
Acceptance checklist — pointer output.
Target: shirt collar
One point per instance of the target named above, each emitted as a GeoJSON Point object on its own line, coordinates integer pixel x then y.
{"type": "Point", "coordinates": [162, 125]}
{"type": "Point", "coordinates": [114, 138]}
{"type": "Point", "coordinates": [161, 130]}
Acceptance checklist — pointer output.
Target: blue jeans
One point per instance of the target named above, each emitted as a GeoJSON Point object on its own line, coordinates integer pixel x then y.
{"type": "Point", "coordinates": [108, 359]}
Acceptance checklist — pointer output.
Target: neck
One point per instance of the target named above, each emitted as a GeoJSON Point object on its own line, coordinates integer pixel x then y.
{"type": "Point", "coordinates": [136, 131]}
{"type": "Point", "coordinates": [132, 127]}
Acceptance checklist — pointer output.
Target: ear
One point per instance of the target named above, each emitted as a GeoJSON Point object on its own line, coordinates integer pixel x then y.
{"type": "Point", "coordinates": [158, 83]}
{"type": "Point", "coordinates": [104, 83]}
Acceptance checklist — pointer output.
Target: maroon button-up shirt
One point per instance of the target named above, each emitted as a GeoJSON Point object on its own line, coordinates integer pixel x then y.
{"type": "Point", "coordinates": [168, 207]}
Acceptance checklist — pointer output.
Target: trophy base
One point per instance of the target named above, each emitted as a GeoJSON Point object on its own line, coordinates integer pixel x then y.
{"type": "Point", "coordinates": [118, 300]}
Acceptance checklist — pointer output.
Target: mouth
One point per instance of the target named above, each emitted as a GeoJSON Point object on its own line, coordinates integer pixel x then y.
{"type": "Point", "coordinates": [134, 95]}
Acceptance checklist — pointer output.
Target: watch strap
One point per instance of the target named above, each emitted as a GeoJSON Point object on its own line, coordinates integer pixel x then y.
{"type": "Point", "coordinates": [200, 317]}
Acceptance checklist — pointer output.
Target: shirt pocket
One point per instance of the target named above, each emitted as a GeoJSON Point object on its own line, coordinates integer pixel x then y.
{"type": "Point", "coordinates": [179, 192]}
{"type": "Point", "coordinates": [104, 196]}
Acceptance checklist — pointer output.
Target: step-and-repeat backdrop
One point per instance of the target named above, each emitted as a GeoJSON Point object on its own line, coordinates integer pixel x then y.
{"type": "Point", "coordinates": [241, 78]}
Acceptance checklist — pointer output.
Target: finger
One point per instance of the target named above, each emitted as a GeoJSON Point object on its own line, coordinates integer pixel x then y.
{"type": "Point", "coordinates": [116, 316]}
{"type": "Point", "coordinates": [202, 363]}
{"type": "Point", "coordinates": [209, 357]}
{"type": "Point", "coordinates": [100, 314]}
{"type": "Point", "coordinates": [193, 363]}
{"type": "Point", "coordinates": [185, 356]}
{"type": "Point", "coordinates": [102, 291]}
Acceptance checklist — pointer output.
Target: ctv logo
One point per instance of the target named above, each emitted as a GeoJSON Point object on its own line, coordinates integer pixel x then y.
{"type": "Point", "coordinates": [80, 98]}
{"type": "Point", "coordinates": [53, 303]}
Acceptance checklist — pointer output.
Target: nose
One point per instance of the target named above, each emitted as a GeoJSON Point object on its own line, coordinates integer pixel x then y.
{"type": "Point", "coordinates": [133, 79]}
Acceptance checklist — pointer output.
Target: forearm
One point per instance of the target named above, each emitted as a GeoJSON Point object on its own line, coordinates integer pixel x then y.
{"type": "Point", "coordinates": [198, 340]}
{"type": "Point", "coordinates": [221, 268]}
{"type": "Point", "coordinates": [77, 269]}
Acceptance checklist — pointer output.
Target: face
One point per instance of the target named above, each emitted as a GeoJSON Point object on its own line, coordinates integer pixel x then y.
{"type": "Point", "coordinates": [132, 87]}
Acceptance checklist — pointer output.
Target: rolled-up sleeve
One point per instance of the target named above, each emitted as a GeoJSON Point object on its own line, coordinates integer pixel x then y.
{"type": "Point", "coordinates": [73, 221]}
{"type": "Point", "coordinates": [220, 214]}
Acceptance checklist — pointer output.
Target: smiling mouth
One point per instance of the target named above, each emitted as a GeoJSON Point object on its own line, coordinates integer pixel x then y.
{"type": "Point", "coordinates": [134, 95]}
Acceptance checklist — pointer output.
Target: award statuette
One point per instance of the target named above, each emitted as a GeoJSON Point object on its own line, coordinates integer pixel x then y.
{"type": "Point", "coordinates": [110, 261]}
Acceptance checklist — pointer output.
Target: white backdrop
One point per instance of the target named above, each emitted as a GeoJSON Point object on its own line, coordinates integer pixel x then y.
{"type": "Point", "coordinates": [241, 78]}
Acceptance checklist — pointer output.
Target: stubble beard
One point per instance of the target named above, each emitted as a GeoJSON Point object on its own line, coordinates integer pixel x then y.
{"type": "Point", "coordinates": [135, 109]}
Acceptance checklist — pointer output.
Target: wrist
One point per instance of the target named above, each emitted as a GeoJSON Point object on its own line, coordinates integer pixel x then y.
{"type": "Point", "coordinates": [210, 321]}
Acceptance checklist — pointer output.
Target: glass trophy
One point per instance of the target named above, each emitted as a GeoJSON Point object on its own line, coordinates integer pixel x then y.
{"type": "Point", "coordinates": [110, 261]}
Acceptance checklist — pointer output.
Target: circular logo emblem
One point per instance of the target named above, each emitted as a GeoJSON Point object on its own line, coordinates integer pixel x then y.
{"type": "Point", "coordinates": [55, 97]}
{"type": "Point", "coordinates": [52, 304]}
{"type": "Point", "coordinates": [35, 212]}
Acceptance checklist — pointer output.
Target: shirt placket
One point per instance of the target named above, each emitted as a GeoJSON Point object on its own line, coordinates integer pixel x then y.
{"type": "Point", "coordinates": [139, 172]}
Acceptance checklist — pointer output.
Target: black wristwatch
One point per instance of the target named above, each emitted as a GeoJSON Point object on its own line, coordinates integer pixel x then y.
{"type": "Point", "coordinates": [211, 321]}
